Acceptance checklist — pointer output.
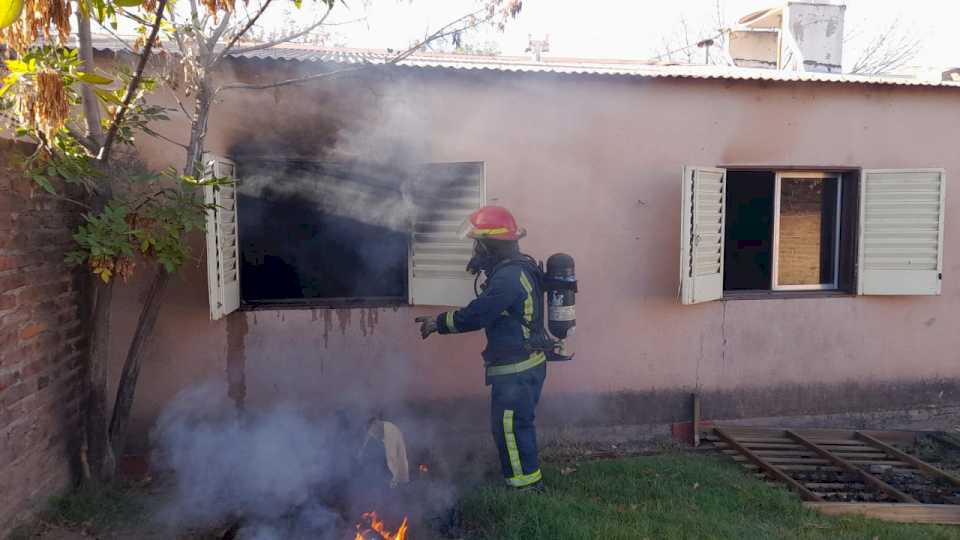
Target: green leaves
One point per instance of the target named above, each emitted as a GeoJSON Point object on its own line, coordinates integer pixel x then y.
{"type": "Point", "coordinates": [93, 78]}
{"type": "Point", "coordinates": [154, 224]}
{"type": "Point", "coordinates": [108, 96]}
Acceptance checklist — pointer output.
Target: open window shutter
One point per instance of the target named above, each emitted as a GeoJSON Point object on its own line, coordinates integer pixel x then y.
{"type": "Point", "coordinates": [701, 234]}
{"type": "Point", "coordinates": [223, 263]}
{"type": "Point", "coordinates": [901, 232]}
{"type": "Point", "coordinates": [444, 195]}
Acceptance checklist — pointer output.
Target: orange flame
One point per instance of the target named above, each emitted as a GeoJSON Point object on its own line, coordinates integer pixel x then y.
{"type": "Point", "coordinates": [377, 526]}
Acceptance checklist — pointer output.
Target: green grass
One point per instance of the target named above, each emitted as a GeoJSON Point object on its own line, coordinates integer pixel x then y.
{"type": "Point", "coordinates": [95, 509]}
{"type": "Point", "coordinates": [664, 497]}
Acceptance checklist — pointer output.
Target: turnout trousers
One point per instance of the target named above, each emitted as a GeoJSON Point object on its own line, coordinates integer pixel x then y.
{"type": "Point", "coordinates": [513, 404]}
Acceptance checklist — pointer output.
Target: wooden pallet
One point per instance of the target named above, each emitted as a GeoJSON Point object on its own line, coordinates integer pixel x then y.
{"type": "Point", "coordinates": [857, 462]}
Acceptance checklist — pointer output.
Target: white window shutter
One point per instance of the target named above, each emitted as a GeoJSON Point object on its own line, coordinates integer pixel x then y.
{"type": "Point", "coordinates": [444, 195]}
{"type": "Point", "coordinates": [701, 234]}
{"type": "Point", "coordinates": [901, 232]}
{"type": "Point", "coordinates": [223, 246]}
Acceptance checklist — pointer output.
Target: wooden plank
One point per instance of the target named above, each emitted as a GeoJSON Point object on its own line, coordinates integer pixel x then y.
{"type": "Point", "coordinates": [903, 456]}
{"type": "Point", "coordinates": [944, 514]}
{"type": "Point", "coordinates": [805, 493]}
{"type": "Point", "coordinates": [850, 467]}
{"type": "Point", "coordinates": [821, 435]}
{"type": "Point", "coordinates": [751, 441]}
{"type": "Point", "coordinates": [797, 468]}
{"type": "Point", "coordinates": [793, 446]}
{"type": "Point", "coordinates": [801, 453]}
{"type": "Point", "coordinates": [819, 461]}
{"type": "Point", "coordinates": [833, 485]}
{"type": "Point", "coordinates": [816, 468]}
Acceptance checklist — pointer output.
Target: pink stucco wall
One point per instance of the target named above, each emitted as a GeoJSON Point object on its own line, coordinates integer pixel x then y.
{"type": "Point", "coordinates": [592, 167]}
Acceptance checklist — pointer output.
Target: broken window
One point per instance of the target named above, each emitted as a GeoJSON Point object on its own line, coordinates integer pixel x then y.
{"type": "Point", "coordinates": [765, 231]}
{"type": "Point", "coordinates": [322, 232]}
{"type": "Point", "coordinates": [338, 234]}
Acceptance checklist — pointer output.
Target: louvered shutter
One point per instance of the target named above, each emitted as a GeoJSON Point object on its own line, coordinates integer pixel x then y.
{"type": "Point", "coordinates": [701, 234]}
{"type": "Point", "coordinates": [444, 195]}
{"type": "Point", "coordinates": [901, 232]}
{"type": "Point", "coordinates": [223, 253]}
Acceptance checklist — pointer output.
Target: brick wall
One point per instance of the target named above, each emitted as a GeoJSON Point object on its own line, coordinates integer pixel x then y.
{"type": "Point", "coordinates": [41, 344]}
{"type": "Point", "coordinates": [800, 232]}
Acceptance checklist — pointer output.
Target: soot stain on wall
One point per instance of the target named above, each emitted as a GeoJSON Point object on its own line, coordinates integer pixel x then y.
{"type": "Point", "coordinates": [321, 231]}
{"type": "Point", "coordinates": [237, 329]}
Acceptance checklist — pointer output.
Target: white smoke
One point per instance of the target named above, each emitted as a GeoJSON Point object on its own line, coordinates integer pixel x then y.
{"type": "Point", "coordinates": [262, 466]}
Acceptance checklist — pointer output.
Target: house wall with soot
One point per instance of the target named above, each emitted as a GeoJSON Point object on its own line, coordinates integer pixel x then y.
{"type": "Point", "coordinates": [591, 166]}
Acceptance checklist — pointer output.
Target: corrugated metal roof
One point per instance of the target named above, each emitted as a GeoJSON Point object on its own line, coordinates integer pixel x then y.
{"type": "Point", "coordinates": [567, 66]}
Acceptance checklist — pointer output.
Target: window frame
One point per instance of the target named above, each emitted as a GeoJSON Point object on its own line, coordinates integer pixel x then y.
{"type": "Point", "coordinates": [779, 175]}
{"type": "Point", "coordinates": [853, 247]}
{"type": "Point", "coordinates": [407, 299]}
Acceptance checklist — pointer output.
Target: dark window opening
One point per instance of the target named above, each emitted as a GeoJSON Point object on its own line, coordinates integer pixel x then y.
{"type": "Point", "coordinates": [322, 233]}
{"type": "Point", "coordinates": [748, 245]}
{"type": "Point", "coordinates": [789, 231]}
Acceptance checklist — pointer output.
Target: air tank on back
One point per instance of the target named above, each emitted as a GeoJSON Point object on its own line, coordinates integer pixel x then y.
{"type": "Point", "coordinates": [561, 289]}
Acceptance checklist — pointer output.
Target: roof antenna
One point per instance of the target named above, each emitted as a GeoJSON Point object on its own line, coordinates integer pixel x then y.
{"type": "Point", "coordinates": [538, 47]}
{"type": "Point", "coordinates": [706, 44]}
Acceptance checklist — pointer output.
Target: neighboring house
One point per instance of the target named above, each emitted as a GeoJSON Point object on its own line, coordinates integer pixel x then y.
{"type": "Point", "coordinates": [807, 213]}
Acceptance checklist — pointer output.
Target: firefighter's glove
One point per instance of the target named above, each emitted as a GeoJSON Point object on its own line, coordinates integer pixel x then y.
{"type": "Point", "coordinates": [428, 325]}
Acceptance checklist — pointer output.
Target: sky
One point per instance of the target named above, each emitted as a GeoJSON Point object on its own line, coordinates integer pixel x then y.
{"type": "Point", "coordinates": [634, 29]}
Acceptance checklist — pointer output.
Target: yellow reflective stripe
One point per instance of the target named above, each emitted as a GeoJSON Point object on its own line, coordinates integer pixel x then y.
{"type": "Point", "coordinates": [525, 479]}
{"type": "Point", "coordinates": [511, 441]}
{"type": "Point", "coordinates": [535, 360]}
{"type": "Point", "coordinates": [527, 304]}
{"type": "Point", "coordinates": [451, 327]}
{"type": "Point", "coordinates": [490, 232]}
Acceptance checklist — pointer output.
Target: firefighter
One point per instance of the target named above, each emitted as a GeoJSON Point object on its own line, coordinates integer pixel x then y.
{"type": "Point", "coordinates": [510, 310]}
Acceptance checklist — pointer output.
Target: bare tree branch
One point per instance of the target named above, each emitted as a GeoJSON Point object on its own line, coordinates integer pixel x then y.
{"type": "Point", "coordinates": [90, 144]}
{"type": "Point", "coordinates": [463, 23]}
{"type": "Point", "coordinates": [132, 87]}
{"type": "Point", "coordinates": [298, 80]}
{"type": "Point", "coordinates": [284, 39]}
{"type": "Point", "coordinates": [162, 137]}
{"type": "Point", "coordinates": [217, 33]}
{"type": "Point", "coordinates": [890, 50]}
{"type": "Point", "coordinates": [64, 198]}
{"type": "Point", "coordinates": [237, 35]}
{"type": "Point", "coordinates": [180, 104]}
{"type": "Point", "coordinates": [135, 17]}
{"type": "Point", "coordinates": [471, 20]}
{"type": "Point", "coordinates": [126, 44]}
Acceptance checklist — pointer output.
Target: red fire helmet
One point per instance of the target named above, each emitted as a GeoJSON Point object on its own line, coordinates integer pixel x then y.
{"type": "Point", "coordinates": [491, 222]}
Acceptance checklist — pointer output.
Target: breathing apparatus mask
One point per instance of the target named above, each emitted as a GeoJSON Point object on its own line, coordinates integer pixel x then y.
{"type": "Point", "coordinates": [484, 258]}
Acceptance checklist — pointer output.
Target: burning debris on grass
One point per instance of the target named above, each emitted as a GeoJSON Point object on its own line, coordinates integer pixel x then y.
{"type": "Point", "coordinates": [277, 474]}
{"type": "Point", "coordinates": [283, 473]}
{"type": "Point", "coordinates": [372, 528]}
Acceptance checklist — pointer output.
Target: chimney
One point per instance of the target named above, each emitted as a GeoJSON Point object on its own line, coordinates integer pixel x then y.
{"type": "Point", "coordinates": [799, 36]}
{"type": "Point", "coordinates": [812, 37]}
{"type": "Point", "coordinates": [536, 48]}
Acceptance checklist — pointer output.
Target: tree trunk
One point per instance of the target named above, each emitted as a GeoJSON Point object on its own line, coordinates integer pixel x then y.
{"type": "Point", "coordinates": [99, 460]}
{"type": "Point", "coordinates": [91, 105]}
{"type": "Point", "coordinates": [198, 129]}
{"type": "Point", "coordinates": [127, 385]}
